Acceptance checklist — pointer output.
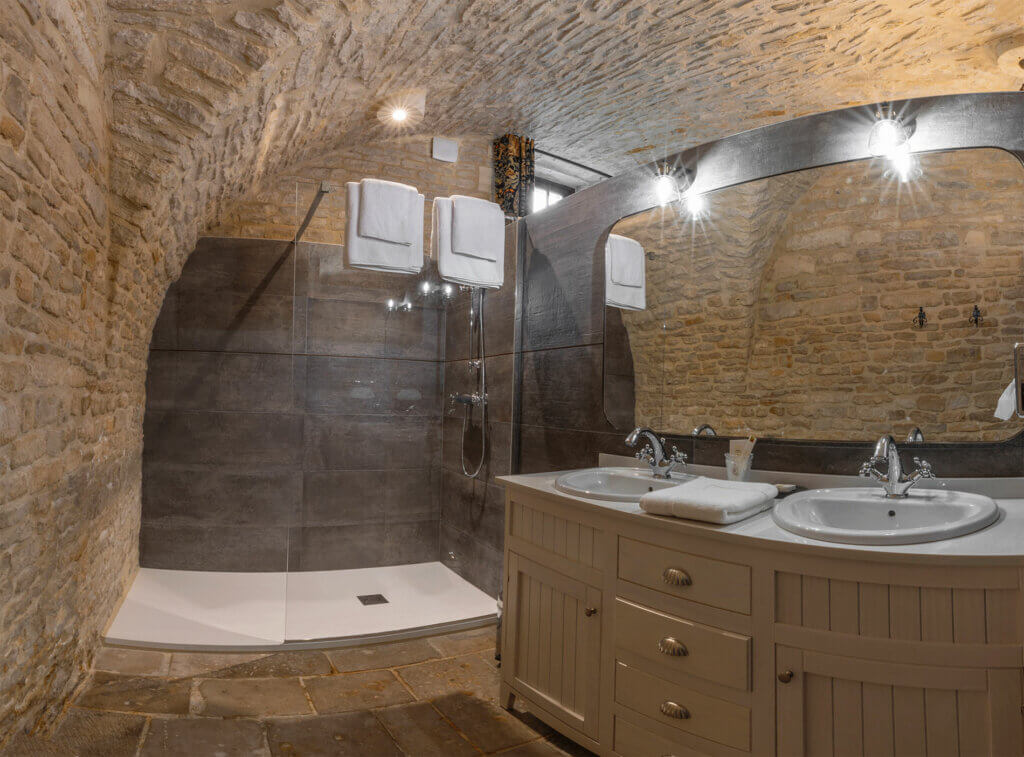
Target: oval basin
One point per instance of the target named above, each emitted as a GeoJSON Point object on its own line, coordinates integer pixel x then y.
{"type": "Point", "coordinates": [615, 484]}
{"type": "Point", "coordinates": [866, 516]}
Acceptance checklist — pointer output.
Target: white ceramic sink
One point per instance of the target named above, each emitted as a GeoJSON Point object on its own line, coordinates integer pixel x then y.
{"type": "Point", "coordinates": [615, 484]}
{"type": "Point", "coordinates": [865, 516]}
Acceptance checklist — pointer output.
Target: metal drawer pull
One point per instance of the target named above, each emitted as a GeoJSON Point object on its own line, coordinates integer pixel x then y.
{"type": "Point", "coordinates": [676, 577]}
{"type": "Point", "coordinates": [588, 611]}
{"type": "Point", "coordinates": [673, 710]}
{"type": "Point", "coordinates": [672, 647]}
{"type": "Point", "coordinates": [785, 676]}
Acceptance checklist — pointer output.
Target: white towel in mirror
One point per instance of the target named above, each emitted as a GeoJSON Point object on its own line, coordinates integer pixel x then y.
{"type": "Point", "coordinates": [484, 266]}
{"type": "Point", "coordinates": [625, 273]}
{"type": "Point", "coordinates": [478, 228]}
{"type": "Point", "coordinates": [375, 254]}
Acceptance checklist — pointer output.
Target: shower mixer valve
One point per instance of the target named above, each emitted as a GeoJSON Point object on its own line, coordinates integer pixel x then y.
{"type": "Point", "coordinates": [472, 400]}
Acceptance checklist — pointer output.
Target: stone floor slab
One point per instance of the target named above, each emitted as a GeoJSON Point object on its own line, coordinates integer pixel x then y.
{"type": "Point", "coordinates": [252, 697]}
{"type": "Point", "coordinates": [276, 665]}
{"type": "Point", "coordinates": [207, 664]}
{"type": "Point", "coordinates": [84, 733]}
{"type": "Point", "coordinates": [109, 691]}
{"type": "Point", "coordinates": [486, 724]}
{"type": "Point", "coordinates": [420, 730]}
{"type": "Point", "coordinates": [467, 674]}
{"type": "Point", "coordinates": [132, 662]}
{"type": "Point", "coordinates": [353, 734]}
{"type": "Point", "coordinates": [381, 656]}
{"type": "Point", "coordinates": [198, 737]}
{"type": "Point", "coordinates": [356, 691]}
{"type": "Point", "coordinates": [463, 642]}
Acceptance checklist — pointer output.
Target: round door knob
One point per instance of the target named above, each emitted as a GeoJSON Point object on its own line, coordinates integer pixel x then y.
{"type": "Point", "coordinates": [676, 577]}
{"type": "Point", "coordinates": [588, 611]}
{"type": "Point", "coordinates": [785, 676]}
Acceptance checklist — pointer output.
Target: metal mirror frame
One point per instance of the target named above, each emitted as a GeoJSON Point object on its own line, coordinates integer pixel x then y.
{"type": "Point", "coordinates": [579, 224]}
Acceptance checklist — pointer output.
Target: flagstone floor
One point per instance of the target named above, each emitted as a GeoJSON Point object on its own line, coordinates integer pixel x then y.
{"type": "Point", "coordinates": [430, 696]}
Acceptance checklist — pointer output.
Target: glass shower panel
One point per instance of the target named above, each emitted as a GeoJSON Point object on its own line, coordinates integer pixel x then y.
{"type": "Point", "coordinates": [367, 379]}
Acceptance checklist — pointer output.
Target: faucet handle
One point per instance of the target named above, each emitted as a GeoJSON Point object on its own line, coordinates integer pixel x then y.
{"type": "Point", "coordinates": [677, 456]}
{"type": "Point", "coordinates": [924, 468]}
{"type": "Point", "coordinates": [646, 454]}
{"type": "Point", "coordinates": [866, 468]}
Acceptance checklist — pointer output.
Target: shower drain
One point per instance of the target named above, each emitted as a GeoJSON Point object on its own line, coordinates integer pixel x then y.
{"type": "Point", "coordinates": [372, 599]}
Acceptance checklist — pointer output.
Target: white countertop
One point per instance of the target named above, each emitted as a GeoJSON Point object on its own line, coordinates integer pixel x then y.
{"type": "Point", "coordinates": [1003, 540]}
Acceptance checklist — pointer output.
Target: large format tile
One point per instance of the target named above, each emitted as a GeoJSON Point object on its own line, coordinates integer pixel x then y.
{"type": "Point", "coordinates": [108, 691]}
{"type": "Point", "coordinates": [221, 439]}
{"type": "Point", "coordinates": [473, 506]}
{"type": "Point", "coordinates": [354, 734]}
{"type": "Point", "coordinates": [213, 547]}
{"type": "Point", "coordinates": [420, 730]}
{"type": "Point", "coordinates": [363, 545]}
{"type": "Point", "coordinates": [252, 697]}
{"type": "Point", "coordinates": [204, 736]}
{"type": "Point", "coordinates": [369, 496]}
{"type": "Point", "coordinates": [236, 322]}
{"type": "Point", "coordinates": [358, 442]}
{"type": "Point", "coordinates": [183, 494]}
{"type": "Point", "coordinates": [346, 692]}
{"type": "Point", "coordinates": [474, 560]}
{"type": "Point", "coordinates": [247, 266]}
{"type": "Point", "coordinates": [564, 388]}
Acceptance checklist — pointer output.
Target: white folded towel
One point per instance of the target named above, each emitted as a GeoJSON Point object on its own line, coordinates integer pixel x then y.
{"type": "Point", "coordinates": [386, 211]}
{"type": "Point", "coordinates": [377, 254]}
{"type": "Point", "coordinates": [1006, 405]}
{"type": "Point", "coordinates": [468, 269]}
{"type": "Point", "coordinates": [478, 228]}
{"type": "Point", "coordinates": [710, 500]}
{"type": "Point", "coordinates": [625, 274]}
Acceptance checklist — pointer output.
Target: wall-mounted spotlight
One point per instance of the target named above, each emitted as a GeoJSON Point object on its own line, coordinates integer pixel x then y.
{"type": "Point", "coordinates": [886, 137]}
{"type": "Point", "coordinates": [696, 203]}
{"type": "Point", "coordinates": [666, 189]}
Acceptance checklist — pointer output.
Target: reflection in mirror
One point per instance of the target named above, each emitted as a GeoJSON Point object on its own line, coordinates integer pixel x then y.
{"type": "Point", "coordinates": [836, 303]}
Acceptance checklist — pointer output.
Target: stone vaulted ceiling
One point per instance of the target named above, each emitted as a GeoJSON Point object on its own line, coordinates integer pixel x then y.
{"type": "Point", "coordinates": [209, 97]}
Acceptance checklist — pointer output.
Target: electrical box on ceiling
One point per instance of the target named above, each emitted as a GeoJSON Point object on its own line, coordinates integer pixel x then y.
{"type": "Point", "coordinates": [446, 150]}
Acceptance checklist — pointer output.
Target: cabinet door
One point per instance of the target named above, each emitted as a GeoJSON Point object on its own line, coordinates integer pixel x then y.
{"type": "Point", "coordinates": [833, 705]}
{"type": "Point", "coordinates": [552, 646]}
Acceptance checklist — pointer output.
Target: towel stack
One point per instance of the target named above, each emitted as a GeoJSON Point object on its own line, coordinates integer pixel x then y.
{"type": "Point", "coordinates": [710, 500]}
{"type": "Point", "coordinates": [468, 239]}
{"type": "Point", "coordinates": [625, 273]}
{"type": "Point", "coordinates": [385, 226]}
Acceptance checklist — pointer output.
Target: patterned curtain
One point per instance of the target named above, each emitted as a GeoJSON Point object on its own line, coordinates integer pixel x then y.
{"type": "Point", "coordinates": [513, 173]}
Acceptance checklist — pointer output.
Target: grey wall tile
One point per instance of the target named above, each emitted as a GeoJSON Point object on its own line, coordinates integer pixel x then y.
{"type": "Point", "coordinates": [221, 548]}
{"type": "Point", "coordinates": [478, 563]}
{"type": "Point", "coordinates": [225, 381]}
{"type": "Point", "coordinates": [350, 442]}
{"type": "Point", "coordinates": [462, 379]}
{"type": "Point", "coordinates": [497, 451]}
{"type": "Point", "coordinates": [345, 328]}
{"type": "Point", "coordinates": [237, 322]}
{"type": "Point", "coordinates": [564, 388]}
{"type": "Point", "coordinates": [247, 266]}
{"type": "Point", "coordinates": [473, 506]}
{"type": "Point", "coordinates": [270, 439]}
{"type": "Point", "coordinates": [373, 386]}
{"type": "Point", "coordinates": [193, 495]}
{"type": "Point", "coordinates": [364, 545]}
{"type": "Point", "coordinates": [370, 496]}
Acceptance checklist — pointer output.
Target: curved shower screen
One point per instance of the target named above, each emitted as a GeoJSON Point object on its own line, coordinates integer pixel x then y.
{"type": "Point", "coordinates": [479, 397]}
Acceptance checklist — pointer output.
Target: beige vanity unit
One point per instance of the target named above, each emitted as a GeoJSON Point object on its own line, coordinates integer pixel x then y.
{"type": "Point", "coordinates": [645, 636]}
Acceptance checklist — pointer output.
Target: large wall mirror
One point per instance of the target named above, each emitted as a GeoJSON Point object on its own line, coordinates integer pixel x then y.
{"type": "Point", "coordinates": [791, 306]}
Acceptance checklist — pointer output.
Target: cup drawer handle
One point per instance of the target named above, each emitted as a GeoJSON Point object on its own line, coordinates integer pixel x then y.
{"type": "Point", "coordinates": [673, 710]}
{"type": "Point", "coordinates": [672, 647]}
{"type": "Point", "coordinates": [676, 577]}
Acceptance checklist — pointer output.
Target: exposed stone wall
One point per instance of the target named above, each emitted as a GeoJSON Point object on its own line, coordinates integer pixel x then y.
{"type": "Point", "coordinates": [274, 211]}
{"type": "Point", "coordinates": [793, 314]}
{"type": "Point", "coordinates": [69, 421]}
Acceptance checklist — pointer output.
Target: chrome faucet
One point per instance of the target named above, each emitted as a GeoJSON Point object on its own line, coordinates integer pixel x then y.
{"type": "Point", "coordinates": [704, 429]}
{"type": "Point", "coordinates": [653, 452]}
{"type": "Point", "coordinates": [896, 485]}
{"type": "Point", "coordinates": [915, 435]}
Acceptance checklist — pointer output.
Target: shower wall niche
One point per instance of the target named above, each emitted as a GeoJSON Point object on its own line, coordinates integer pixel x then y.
{"type": "Point", "coordinates": [293, 421]}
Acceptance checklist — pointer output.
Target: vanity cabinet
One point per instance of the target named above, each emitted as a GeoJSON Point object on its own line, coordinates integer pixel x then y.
{"type": "Point", "coordinates": [639, 636]}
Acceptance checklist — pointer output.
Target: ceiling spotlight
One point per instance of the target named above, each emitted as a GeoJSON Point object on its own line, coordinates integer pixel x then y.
{"type": "Point", "coordinates": [404, 109]}
{"type": "Point", "coordinates": [886, 137]}
{"type": "Point", "coordinates": [665, 189]}
{"type": "Point", "coordinates": [399, 114]}
{"type": "Point", "coordinates": [696, 203]}
{"type": "Point", "coordinates": [903, 165]}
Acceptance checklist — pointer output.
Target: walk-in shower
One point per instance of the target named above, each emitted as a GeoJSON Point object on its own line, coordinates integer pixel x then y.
{"type": "Point", "coordinates": [299, 456]}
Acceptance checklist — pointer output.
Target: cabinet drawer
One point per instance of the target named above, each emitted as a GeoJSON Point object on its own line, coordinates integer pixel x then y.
{"type": "Point", "coordinates": [683, 645]}
{"type": "Point", "coordinates": [682, 708]}
{"type": "Point", "coordinates": [699, 579]}
{"type": "Point", "coordinates": [633, 741]}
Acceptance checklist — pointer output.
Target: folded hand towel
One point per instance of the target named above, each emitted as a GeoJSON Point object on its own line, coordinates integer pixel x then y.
{"type": "Point", "coordinates": [625, 278]}
{"type": "Point", "coordinates": [1006, 406]}
{"type": "Point", "coordinates": [387, 211]}
{"type": "Point", "coordinates": [376, 254]}
{"type": "Point", "coordinates": [710, 500]}
{"type": "Point", "coordinates": [462, 269]}
{"type": "Point", "coordinates": [627, 261]}
{"type": "Point", "coordinates": [478, 228]}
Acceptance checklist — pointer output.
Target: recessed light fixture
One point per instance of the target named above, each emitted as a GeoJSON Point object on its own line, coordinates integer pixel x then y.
{"type": "Point", "coordinates": [403, 109]}
{"type": "Point", "coordinates": [696, 203]}
{"type": "Point", "coordinates": [903, 165]}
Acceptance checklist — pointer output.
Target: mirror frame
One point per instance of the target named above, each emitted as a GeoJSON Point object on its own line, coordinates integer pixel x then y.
{"type": "Point", "coordinates": [579, 225]}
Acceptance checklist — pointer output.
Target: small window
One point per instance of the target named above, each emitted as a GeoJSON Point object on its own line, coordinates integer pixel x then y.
{"type": "Point", "coordinates": [546, 193]}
